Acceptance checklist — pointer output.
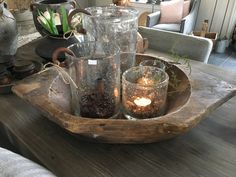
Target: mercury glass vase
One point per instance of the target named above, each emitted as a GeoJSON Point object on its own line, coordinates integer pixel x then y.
{"type": "Point", "coordinates": [114, 24]}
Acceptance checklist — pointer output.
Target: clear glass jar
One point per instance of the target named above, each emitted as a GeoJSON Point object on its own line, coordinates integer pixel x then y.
{"type": "Point", "coordinates": [114, 24]}
{"type": "Point", "coordinates": [95, 71]}
{"type": "Point", "coordinates": [144, 92]}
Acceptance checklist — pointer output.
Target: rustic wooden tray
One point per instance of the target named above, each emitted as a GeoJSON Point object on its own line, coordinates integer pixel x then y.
{"type": "Point", "coordinates": [188, 103]}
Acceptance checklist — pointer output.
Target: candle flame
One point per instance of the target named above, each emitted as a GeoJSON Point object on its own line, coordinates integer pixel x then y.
{"type": "Point", "coordinates": [145, 81]}
{"type": "Point", "coordinates": [142, 102]}
{"type": "Point", "coordinates": [116, 92]}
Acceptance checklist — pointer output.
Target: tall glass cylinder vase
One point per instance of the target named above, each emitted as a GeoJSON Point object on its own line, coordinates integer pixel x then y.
{"type": "Point", "coordinates": [114, 24]}
{"type": "Point", "coordinates": [94, 77]}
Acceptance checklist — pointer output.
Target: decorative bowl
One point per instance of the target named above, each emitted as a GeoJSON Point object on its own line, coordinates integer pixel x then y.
{"type": "Point", "coordinates": [188, 103]}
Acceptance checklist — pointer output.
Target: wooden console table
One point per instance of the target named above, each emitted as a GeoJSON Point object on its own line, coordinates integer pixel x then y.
{"type": "Point", "coordinates": [207, 150]}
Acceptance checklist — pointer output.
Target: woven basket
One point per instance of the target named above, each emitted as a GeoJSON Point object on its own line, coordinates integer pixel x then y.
{"type": "Point", "coordinates": [18, 5]}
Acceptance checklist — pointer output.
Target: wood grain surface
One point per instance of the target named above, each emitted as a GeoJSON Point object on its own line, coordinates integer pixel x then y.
{"type": "Point", "coordinates": [208, 150]}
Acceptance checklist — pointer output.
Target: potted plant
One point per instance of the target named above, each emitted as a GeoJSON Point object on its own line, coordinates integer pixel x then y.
{"type": "Point", "coordinates": [51, 19]}
{"type": "Point", "coordinates": [221, 44]}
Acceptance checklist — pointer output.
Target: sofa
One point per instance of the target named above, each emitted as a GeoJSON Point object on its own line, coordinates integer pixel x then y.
{"type": "Point", "coordinates": [168, 43]}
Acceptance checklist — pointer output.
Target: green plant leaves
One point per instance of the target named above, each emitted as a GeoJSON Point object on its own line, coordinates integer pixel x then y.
{"type": "Point", "coordinates": [52, 22]}
{"type": "Point", "coordinates": [65, 24]}
{"type": "Point", "coordinates": [49, 23]}
{"type": "Point", "coordinates": [44, 22]}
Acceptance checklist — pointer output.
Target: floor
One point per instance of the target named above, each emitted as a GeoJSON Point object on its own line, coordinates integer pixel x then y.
{"type": "Point", "coordinates": [226, 60]}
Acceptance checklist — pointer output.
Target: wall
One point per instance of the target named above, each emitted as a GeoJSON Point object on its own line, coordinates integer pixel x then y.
{"type": "Point", "coordinates": [221, 16]}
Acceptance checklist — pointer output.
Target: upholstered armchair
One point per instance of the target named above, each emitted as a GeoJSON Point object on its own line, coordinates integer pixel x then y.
{"type": "Point", "coordinates": [186, 25]}
{"type": "Point", "coordinates": [167, 43]}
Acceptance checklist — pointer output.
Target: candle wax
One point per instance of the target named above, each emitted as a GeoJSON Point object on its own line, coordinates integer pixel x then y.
{"type": "Point", "coordinates": [142, 101]}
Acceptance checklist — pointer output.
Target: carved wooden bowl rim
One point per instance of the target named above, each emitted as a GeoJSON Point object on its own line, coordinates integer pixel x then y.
{"type": "Point", "coordinates": [189, 114]}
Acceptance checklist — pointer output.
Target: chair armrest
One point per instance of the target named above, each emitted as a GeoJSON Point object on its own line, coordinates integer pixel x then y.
{"type": "Point", "coordinates": [153, 19]}
{"type": "Point", "coordinates": [188, 23]}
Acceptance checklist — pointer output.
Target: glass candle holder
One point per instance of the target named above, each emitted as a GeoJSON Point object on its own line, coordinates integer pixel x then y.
{"type": "Point", "coordinates": [144, 92]}
{"type": "Point", "coordinates": [154, 63]}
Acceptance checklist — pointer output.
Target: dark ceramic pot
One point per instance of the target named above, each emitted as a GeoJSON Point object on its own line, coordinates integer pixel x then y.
{"type": "Point", "coordinates": [55, 5]}
{"type": "Point", "coordinates": [49, 44]}
{"type": "Point", "coordinates": [8, 35]}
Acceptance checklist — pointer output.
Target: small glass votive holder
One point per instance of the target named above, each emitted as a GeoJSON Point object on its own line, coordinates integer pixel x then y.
{"type": "Point", "coordinates": [154, 63]}
{"type": "Point", "coordinates": [144, 92]}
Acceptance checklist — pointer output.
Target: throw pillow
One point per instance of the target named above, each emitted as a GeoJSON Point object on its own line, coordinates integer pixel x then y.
{"type": "Point", "coordinates": [186, 8]}
{"type": "Point", "coordinates": [171, 11]}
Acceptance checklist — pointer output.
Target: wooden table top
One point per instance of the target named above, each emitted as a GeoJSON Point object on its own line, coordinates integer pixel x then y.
{"type": "Point", "coordinates": [208, 150]}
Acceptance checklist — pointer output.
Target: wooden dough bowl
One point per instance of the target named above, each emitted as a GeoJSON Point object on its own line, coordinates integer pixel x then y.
{"type": "Point", "coordinates": [194, 97]}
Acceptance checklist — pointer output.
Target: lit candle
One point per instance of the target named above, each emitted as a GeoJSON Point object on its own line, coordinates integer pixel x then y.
{"type": "Point", "coordinates": [142, 96]}
{"type": "Point", "coordinates": [116, 92]}
{"type": "Point", "coordinates": [143, 102]}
